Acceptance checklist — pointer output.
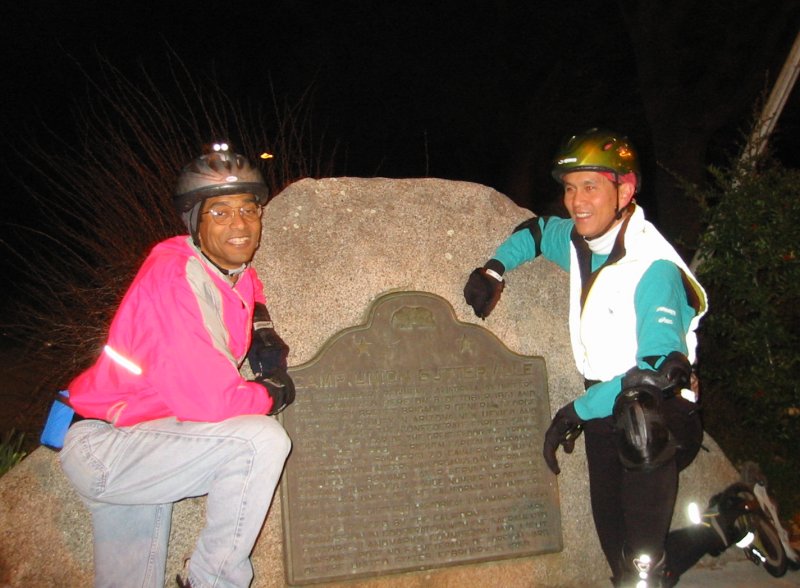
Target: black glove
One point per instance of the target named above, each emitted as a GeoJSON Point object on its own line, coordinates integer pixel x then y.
{"type": "Point", "coordinates": [563, 430]}
{"type": "Point", "coordinates": [677, 370]}
{"type": "Point", "coordinates": [638, 378]}
{"type": "Point", "coordinates": [280, 388]}
{"type": "Point", "coordinates": [268, 352]}
{"type": "Point", "coordinates": [482, 291]}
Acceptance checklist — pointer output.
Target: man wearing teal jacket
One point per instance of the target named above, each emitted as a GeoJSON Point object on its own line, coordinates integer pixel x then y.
{"type": "Point", "coordinates": [634, 310]}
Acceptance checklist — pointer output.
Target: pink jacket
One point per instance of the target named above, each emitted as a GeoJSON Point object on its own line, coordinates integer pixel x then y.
{"type": "Point", "coordinates": [175, 345]}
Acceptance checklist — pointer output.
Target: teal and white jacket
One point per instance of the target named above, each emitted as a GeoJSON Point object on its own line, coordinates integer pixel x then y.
{"type": "Point", "coordinates": [632, 299]}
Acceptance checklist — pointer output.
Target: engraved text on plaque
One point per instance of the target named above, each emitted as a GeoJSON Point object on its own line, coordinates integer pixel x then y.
{"type": "Point", "coordinates": [416, 443]}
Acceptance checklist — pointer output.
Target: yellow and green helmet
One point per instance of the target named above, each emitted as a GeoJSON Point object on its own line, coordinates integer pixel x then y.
{"type": "Point", "coordinates": [598, 150]}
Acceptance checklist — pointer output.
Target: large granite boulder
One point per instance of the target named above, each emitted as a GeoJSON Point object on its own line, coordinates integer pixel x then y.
{"type": "Point", "coordinates": [330, 247]}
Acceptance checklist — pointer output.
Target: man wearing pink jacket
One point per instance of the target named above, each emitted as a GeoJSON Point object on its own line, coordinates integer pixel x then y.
{"type": "Point", "coordinates": [166, 413]}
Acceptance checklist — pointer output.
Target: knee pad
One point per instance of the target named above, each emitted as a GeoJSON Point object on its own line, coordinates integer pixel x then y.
{"type": "Point", "coordinates": [643, 438]}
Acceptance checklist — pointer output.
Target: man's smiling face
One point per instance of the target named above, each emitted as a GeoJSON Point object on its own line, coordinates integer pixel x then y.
{"type": "Point", "coordinates": [231, 245]}
{"type": "Point", "coordinates": [593, 200]}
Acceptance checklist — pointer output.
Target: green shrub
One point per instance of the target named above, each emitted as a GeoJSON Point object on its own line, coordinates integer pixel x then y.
{"type": "Point", "coordinates": [11, 452]}
{"type": "Point", "coordinates": [750, 339]}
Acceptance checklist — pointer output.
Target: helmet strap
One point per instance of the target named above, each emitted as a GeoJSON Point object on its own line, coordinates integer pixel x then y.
{"type": "Point", "coordinates": [191, 219]}
{"type": "Point", "coordinates": [231, 273]}
{"type": "Point", "coordinates": [621, 211]}
{"type": "Point", "coordinates": [618, 214]}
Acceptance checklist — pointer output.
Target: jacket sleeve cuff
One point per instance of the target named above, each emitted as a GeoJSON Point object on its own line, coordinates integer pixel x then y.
{"type": "Point", "coordinates": [495, 266]}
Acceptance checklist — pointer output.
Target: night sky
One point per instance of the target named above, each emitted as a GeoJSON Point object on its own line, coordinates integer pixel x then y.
{"type": "Point", "coordinates": [472, 90]}
{"type": "Point", "coordinates": [435, 88]}
{"type": "Point", "coordinates": [408, 89]}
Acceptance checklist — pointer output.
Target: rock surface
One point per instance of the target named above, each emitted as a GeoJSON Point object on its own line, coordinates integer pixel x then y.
{"type": "Point", "coordinates": [329, 248]}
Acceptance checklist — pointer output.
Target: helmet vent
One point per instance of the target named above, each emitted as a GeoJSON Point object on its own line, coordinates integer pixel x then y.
{"type": "Point", "coordinates": [218, 174]}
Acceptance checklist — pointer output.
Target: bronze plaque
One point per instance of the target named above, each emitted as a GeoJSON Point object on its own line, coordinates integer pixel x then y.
{"type": "Point", "coordinates": [417, 444]}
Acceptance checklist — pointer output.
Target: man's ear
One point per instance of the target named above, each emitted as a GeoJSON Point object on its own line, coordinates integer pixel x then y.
{"type": "Point", "coordinates": [626, 193]}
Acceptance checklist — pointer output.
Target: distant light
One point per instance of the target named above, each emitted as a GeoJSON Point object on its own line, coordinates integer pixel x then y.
{"type": "Point", "coordinates": [220, 146]}
{"type": "Point", "coordinates": [266, 155]}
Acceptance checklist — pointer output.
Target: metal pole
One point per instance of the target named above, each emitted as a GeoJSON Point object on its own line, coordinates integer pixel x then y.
{"type": "Point", "coordinates": [777, 100]}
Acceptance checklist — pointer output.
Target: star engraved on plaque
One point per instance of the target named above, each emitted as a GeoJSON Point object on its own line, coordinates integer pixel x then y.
{"type": "Point", "coordinates": [416, 444]}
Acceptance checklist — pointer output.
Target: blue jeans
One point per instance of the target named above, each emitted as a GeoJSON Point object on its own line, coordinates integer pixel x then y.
{"type": "Point", "coordinates": [129, 477]}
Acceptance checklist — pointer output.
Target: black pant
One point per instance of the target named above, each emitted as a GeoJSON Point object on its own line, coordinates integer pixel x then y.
{"type": "Point", "coordinates": [633, 508]}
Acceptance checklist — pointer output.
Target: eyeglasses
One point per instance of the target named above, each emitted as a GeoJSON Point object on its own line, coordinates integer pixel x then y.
{"type": "Point", "coordinates": [223, 215]}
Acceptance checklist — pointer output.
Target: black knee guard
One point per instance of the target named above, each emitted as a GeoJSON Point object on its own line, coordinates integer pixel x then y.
{"type": "Point", "coordinates": [644, 440]}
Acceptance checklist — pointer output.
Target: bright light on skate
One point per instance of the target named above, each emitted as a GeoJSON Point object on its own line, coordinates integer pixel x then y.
{"type": "Point", "coordinates": [746, 540]}
{"type": "Point", "coordinates": [642, 564]}
{"type": "Point", "coordinates": [759, 555]}
{"type": "Point", "coordinates": [693, 511]}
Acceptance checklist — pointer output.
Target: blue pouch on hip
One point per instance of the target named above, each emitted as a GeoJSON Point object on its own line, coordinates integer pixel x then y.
{"type": "Point", "coordinates": [57, 423]}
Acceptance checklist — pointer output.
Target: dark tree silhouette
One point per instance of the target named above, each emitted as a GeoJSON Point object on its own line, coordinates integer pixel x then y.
{"type": "Point", "coordinates": [700, 74]}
